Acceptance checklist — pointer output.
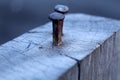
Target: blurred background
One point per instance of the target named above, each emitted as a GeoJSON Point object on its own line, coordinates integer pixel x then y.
{"type": "Point", "coordinates": [19, 16]}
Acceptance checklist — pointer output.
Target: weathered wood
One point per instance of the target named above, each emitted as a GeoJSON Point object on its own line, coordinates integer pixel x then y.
{"type": "Point", "coordinates": [117, 51]}
{"type": "Point", "coordinates": [89, 52]}
{"type": "Point", "coordinates": [101, 64]}
{"type": "Point", "coordinates": [34, 64]}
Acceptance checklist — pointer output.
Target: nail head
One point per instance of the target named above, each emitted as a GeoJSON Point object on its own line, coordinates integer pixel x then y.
{"type": "Point", "coordinates": [61, 8]}
{"type": "Point", "coordinates": [56, 16]}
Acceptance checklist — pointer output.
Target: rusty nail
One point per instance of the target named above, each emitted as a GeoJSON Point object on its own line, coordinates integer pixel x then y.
{"type": "Point", "coordinates": [61, 9]}
{"type": "Point", "coordinates": [57, 20]}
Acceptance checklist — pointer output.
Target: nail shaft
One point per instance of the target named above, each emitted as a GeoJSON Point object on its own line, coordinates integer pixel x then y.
{"type": "Point", "coordinates": [57, 27]}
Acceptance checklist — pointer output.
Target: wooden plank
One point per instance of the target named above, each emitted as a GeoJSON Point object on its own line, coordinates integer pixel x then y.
{"type": "Point", "coordinates": [32, 56]}
{"type": "Point", "coordinates": [101, 64]}
{"type": "Point", "coordinates": [117, 51]}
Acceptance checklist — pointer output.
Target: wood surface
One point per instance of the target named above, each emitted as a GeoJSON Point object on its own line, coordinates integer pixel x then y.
{"type": "Point", "coordinates": [90, 51]}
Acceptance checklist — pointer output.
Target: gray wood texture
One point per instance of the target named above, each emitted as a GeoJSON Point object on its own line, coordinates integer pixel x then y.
{"type": "Point", "coordinates": [90, 51]}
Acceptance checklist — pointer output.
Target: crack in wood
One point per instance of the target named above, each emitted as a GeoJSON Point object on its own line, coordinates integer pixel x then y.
{"type": "Point", "coordinates": [29, 45]}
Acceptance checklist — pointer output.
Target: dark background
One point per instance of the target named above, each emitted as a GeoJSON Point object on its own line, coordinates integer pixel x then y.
{"type": "Point", "coordinates": [19, 16]}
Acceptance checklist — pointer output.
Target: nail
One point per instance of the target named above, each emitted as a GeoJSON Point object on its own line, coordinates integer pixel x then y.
{"type": "Point", "coordinates": [61, 9]}
{"type": "Point", "coordinates": [57, 20]}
